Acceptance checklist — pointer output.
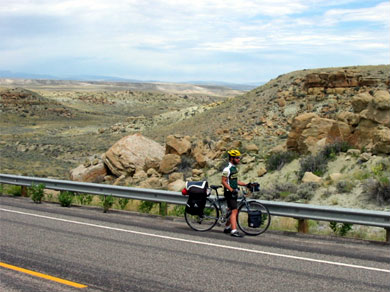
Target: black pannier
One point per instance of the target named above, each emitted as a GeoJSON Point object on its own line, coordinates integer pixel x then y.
{"type": "Point", "coordinates": [197, 192]}
{"type": "Point", "coordinates": [254, 219]}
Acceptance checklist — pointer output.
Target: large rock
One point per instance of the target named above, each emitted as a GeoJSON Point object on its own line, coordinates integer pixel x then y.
{"type": "Point", "coordinates": [177, 185]}
{"type": "Point", "coordinates": [298, 126]}
{"type": "Point", "coordinates": [372, 132]}
{"type": "Point", "coordinates": [309, 177]}
{"type": "Point", "coordinates": [169, 163]}
{"type": "Point", "coordinates": [381, 100]}
{"type": "Point", "coordinates": [360, 102]}
{"type": "Point", "coordinates": [378, 109]}
{"type": "Point", "coordinates": [92, 173]}
{"type": "Point", "coordinates": [130, 153]}
{"type": "Point", "coordinates": [381, 140]}
{"type": "Point", "coordinates": [310, 133]}
{"type": "Point", "coordinates": [201, 153]}
{"type": "Point", "coordinates": [178, 145]}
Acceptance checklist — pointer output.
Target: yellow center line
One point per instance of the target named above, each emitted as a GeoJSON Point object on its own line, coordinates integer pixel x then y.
{"type": "Point", "coordinates": [40, 275]}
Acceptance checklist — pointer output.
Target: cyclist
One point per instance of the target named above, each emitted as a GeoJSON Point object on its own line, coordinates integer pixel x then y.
{"type": "Point", "coordinates": [230, 184]}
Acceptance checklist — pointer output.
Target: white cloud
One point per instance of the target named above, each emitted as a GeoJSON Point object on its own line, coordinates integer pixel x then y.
{"type": "Point", "coordinates": [174, 33]}
{"type": "Point", "coordinates": [379, 14]}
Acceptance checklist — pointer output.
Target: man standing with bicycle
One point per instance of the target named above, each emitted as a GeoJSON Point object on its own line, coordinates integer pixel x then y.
{"type": "Point", "coordinates": [230, 184]}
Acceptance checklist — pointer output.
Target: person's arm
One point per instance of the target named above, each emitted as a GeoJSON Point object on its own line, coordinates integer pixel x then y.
{"type": "Point", "coordinates": [240, 183]}
{"type": "Point", "coordinates": [225, 183]}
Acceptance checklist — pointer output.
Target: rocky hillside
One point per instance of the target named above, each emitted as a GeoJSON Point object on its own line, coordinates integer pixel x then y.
{"type": "Point", "coordinates": [307, 136]}
{"type": "Point", "coordinates": [317, 136]}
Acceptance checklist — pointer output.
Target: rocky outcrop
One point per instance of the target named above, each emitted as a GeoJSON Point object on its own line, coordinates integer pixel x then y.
{"type": "Point", "coordinates": [339, 79]}
{"type": "Point", "coordinates": [310, 133]}
{"type": "Point", "coordinates": [131, 153]}
{"type": "Point", "coordinates": [372, 132]}
{"type": "Point", "coordinates": [367, 127]}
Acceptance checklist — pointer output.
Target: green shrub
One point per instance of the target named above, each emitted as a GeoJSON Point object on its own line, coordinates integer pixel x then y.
{"type": "Point", "coordinates": [344, 186]}
{"type": "Point", "coordinates": [317, 164]}
{"type": "Point", "coordinates": [123, 203]}
{"type": "Point", "coordinates": [107, 202]}
{"type": "Point", "coordinates": [340, 228]}
{"type": "Point", "coordinates": [377, 189]}
{"type": "Point", "coordinates": [278, 191]}
{"type": "Point", "coordinates": [185, 165]}
{"type": "Point", "coordinates": [277, 160]}
{"type": "Point", "coordinates": [178, 210]}
{"type": "Point", "coordinates": [306, 190]}
{"type": "Point", "coordinates": [65, 198]}
{"type": "Point", "coordinates": [37, 192]}
{"type": "Point", "coordinates": [146, 206]}
{"type": "Point", "coordinates": [331, 150]}
{"type": "Point", "coordinates": [83, 199]}
{"type": "Point", "coordinates": [13, 190]}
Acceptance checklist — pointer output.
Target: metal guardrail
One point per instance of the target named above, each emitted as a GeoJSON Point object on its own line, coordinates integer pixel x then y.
{"type": "Point", "coordinates": [293, 210]}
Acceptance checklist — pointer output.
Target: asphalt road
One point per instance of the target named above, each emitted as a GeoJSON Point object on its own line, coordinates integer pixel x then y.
{"type": "Point", "coordinates": [124, 251]}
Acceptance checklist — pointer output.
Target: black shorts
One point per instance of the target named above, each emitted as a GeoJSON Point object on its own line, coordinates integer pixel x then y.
{"type": "Point", "coordinates": [231, 200]}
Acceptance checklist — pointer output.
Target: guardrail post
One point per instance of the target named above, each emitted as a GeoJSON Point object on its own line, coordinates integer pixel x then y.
{"type": "Point", "coordinates": [387, 235]}
{"type": "Point", "coordinates": [303, 226]}
{"type": "Point", "coordinates": [24, 191]}
{"type": "Point", "coordinates": [163, 209]}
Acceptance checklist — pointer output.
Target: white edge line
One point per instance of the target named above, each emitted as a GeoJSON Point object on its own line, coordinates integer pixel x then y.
{"type": "Point", "coordinates": [202, 243]}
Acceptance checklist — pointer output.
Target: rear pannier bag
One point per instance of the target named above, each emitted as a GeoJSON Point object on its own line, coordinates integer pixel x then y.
{"type": "Point", "coordinates": [197, 192]}
{"type": "Point", "coordinates": [254, 219]}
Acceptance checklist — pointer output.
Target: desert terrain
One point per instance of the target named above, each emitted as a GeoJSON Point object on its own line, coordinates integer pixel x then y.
{"type": "Point", "coordinates": [50, 127]}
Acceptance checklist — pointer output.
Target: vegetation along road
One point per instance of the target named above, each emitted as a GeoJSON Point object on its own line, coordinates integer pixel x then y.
{"type": "Point", "coordinates": [48, 248]}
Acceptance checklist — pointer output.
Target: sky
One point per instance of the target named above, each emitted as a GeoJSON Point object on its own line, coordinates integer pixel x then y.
{"type": "Point", "coordinates": [239, 41]}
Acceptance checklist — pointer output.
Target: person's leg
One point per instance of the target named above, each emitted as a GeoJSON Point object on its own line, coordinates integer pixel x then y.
{"type": "Point", "coordinates": [233, 219]}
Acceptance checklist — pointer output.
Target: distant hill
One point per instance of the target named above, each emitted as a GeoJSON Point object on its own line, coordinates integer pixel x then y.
{"type": "Point", "coordinates": [103, 78]}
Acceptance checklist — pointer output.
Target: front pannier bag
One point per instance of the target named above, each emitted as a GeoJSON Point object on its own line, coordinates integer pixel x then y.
{"type": "Point", "coordinates": [254, 219]}
{"type": "Point", "coordinates": [197, 192]}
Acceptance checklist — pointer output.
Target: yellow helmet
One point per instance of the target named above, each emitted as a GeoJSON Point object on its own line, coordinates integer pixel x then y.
{"type": "Point", "coordinates": [234, 153]}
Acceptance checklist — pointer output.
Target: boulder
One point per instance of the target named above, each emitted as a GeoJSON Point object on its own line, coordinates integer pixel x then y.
{"type": "Point", "coordinates": [153, 183]}
{"type": "Point", "coordinates": [169, 163]}
{"type": "Point", "coordinates": [130, 153]}
{"type": "Point", "coordinates": [201, 152]}
{"type": "Point", "coordinates": [140, 175]}
{"type": "Point", "coordinates": [261, 171]}
{"type": "Point", "coordinates": [363, 135]}
{"type": "Point", "coordinates": [309, 133]}
{"type": "Point", "coordinates": [175, 176]}
{"type": "Point", "coordinates": [360, 102]}
{"type": "Point", "coordinates": [311, 177]}
{"type": "Point", "coordinates": [252, 148]}
{"type": "Point", "coordinates": [151, 162]}
{"type": "Point", "coordinates": [381, 100]}
{"type": "Point", "coordinates": [352, 119]}
{"type": "Point", "coordinates": [381, 140]}
{"type": "Point", "coordinates": [151, 172]}
{"type": "Point", "coordinates": [178, 145]}
{"type": "Point", "coordinates": [177, 185]}
{"type": "Point", "coordinates": [298, 125]}
{"type": "Point", "coordinates": [93, 173]}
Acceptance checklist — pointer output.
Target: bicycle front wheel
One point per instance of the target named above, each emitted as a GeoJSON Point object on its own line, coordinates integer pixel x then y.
{"type": "Point", "coordinates": [253, 218]}
{"type": "Point", "coordinates": [206, 221]}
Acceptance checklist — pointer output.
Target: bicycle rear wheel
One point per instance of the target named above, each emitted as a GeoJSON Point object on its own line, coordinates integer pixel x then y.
{"type": "Point", "coordinates": [259, 221]}
{"type": "Point", "coordinates": [207, 220]}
